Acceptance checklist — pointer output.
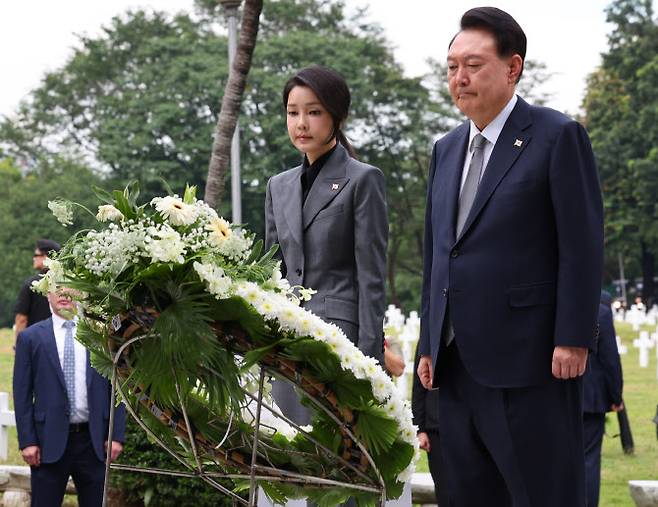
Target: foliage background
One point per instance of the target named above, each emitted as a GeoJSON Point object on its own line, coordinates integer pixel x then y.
{"type": "Point", "coordinates": [140, 102]}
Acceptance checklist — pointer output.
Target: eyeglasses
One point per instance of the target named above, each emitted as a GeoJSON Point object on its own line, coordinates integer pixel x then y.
{"type": "Point", "coordinates": [38, 255]}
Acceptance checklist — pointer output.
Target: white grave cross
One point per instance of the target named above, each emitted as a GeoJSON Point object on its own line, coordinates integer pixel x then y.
{"type": "Point", "coordinates": [644, 344]}
{"type": "Point", "coordinates": [7, 419]}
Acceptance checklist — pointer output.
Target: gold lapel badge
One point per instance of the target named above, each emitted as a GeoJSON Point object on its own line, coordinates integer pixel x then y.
{"type": "Point", "coordinates": [334, 186]}
{"type": "Point", "coordinates": [518, 143]}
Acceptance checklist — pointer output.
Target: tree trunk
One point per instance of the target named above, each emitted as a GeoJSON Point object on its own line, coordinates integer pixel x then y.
{"type": "Point", "coordinates": [648, 270]}
{"type": "Point", "coordinates": [230, 111]}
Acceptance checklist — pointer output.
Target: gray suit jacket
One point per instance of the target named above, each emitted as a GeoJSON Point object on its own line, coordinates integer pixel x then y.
{"type": "Point", "coordinates": [335, 243]}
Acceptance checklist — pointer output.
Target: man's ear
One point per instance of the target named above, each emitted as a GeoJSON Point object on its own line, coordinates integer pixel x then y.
{"type": "Point", "coordinates": [515, 68]}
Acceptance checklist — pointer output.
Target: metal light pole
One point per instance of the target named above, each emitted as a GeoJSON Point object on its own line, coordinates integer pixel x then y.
{"type": "Point", "coordinates": [231, 13]}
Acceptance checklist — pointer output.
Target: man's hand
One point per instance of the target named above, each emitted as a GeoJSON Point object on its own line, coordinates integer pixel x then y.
{"type": "Point", "coordinates": [424, 441]}
{"type": "Point", "coordinates": [116, 449]}
{"type": "Point", "coordinates": [569, 362]}
{"type": "Point", "coordinates": [617, 408]}
{"type": "Point", "coordinates": [32, 455]}
{"type": "Point", "coordinates": [424, 371]}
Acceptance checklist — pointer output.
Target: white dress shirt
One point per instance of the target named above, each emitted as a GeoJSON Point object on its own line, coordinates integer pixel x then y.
{"type": "Point", "coordinates": [491, 133]}
{"type": "Point", "coordinates": [81, 407]}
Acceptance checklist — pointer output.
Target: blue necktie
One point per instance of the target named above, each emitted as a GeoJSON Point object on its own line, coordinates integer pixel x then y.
{"type": "Point", "coordinates": [69, 363]}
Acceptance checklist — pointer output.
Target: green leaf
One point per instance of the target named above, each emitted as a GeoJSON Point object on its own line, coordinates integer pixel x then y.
{"type": "Point", "coordinates": [269, 254]}
{"type": "Point", "coordinates": [122, 204]}
{"type": "Point", "coordinates": [190, 194]}
{"type": "Point", "coordinates": [274, 493]}
{"type": "Point", "coordinates": [376, 430]}
{"type": "Point", "coordinates": [255, 252]}
{"type": "Point", "coordinates": [103, 195]}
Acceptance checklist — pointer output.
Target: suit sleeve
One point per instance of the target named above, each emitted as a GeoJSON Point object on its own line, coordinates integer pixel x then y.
{"type": "Point", "coordinates": [608, 355]}
{"type": "Point", "coordinates": [271, 235]}
{"type": "Point", "coordinates": [370, 243]}
{"type": "Point", "coordinates": [23, 385]}
{"type": "Point", "coordinates": [119, 430]}
{"type": "Point", "coordinates": [424, 348]}
{"type": "Point", "coordinates": [418, 394]}
{"type": "Point", "coordinates": [578, 210]}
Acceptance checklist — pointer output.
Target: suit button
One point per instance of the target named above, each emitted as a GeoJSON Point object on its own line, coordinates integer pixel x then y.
{"type": "Point", "coordinates": [299, 272]}
{"type": "Point", "coordinates": [455, 253]}
{"type": "Point", "coordinates": [445, 292]}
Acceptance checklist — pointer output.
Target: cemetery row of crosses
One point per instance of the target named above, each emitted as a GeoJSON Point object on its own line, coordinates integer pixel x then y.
{"type": "Point", "coordinates": [402, 335]}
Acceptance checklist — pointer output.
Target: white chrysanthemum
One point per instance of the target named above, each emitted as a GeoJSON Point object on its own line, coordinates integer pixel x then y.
{"type": "Point", "coordinates": [219, 231]}
{"type": "Point", "coordinates": [175, 210]}
{"type": "Point", "coordinates": [168, 246]}
{"type": "Point", "coordinates": [63, 211]}
{"type": "Point", "coordinates": [108, 213]}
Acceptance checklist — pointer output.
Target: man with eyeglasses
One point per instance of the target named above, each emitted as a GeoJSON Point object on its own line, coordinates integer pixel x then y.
{"type": "Point", "coordinates": [30, 306]}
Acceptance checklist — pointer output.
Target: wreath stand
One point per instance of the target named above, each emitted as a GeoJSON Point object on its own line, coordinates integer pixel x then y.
{"type": "Point", "coordinates": [354, 461]}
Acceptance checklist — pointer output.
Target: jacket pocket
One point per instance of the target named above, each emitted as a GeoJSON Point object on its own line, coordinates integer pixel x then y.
{"type": "Point", "coordinates": [542, 293]}
{"type": "Point", "coordinates": [341, 309]}
{"type": "Point", "coordinates": [329, 212]}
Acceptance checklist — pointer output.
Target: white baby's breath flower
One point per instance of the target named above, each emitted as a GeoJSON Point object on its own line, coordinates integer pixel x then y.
{"type": "Point", "coordinates": [175, 210]}
{"type": "Point", "coordinates": [63, 211]}
{"type": "Point", "coordinates": [108, 213]}
{"type": "Point", "coordinates": [40, 286]}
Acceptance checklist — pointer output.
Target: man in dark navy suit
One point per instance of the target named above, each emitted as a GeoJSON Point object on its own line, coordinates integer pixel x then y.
{"type": "Point", "coordinates": [62, 410]}
{"type": "Point", "coordinates": [603, 387]}
{"type": "Point", "coordinates": [512, 269]}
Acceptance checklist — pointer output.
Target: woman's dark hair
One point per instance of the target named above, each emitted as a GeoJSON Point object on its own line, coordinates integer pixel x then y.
{"type": "Point", "coordinates": [508, 34]}
{"type": "Point", "coordinates": [332, 91]}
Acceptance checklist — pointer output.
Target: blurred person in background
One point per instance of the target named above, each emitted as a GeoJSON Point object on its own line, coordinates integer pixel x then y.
{"type": "Point", "coordinates": [32, 307]}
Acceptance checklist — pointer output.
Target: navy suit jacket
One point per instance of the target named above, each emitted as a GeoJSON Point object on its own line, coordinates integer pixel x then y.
{"type": "Point", "coordinates": [602, 381]}
{"type": "Point", "coordinates": [41, 403]}
{"type": "Point", "coordinates": [525, 274]}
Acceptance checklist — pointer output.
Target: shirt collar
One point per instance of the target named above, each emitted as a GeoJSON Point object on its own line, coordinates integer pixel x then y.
{"type": "Point", "coordinates": [492, 131]}
{"type": "Point", "coordinates": [319, 163]}
{"type": "Point", "coordinates": [58, 322]}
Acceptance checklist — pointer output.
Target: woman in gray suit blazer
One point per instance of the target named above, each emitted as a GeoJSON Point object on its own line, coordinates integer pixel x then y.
{"type": "Point", "coordinates": [330, 219]}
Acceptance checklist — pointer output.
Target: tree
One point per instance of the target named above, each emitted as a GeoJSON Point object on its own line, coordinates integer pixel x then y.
{"type": "Point", "coordinates": [26, 217]}
{"type": "Point", "coordinates": [228, 116]}
{"type": "Point", "coordinates": [140, 102]}
{"type": "Point", "coordinates": [621, 114]}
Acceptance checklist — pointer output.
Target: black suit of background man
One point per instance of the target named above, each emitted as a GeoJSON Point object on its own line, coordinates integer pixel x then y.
{"type": "Point", "coordinates": [602, 384]}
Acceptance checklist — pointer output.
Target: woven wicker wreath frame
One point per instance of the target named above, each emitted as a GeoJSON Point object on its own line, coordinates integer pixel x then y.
{"type": "Point", "coordinates": [136, 325]}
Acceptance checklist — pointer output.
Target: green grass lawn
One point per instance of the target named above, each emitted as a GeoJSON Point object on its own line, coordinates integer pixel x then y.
{"type": "Point", "coordinates": [640, 396]}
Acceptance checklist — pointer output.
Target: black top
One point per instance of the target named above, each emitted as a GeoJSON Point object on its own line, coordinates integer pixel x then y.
{"type": "Point", "coordinates": [310, 171]}
{"type": "Point", "coordinates": [29, 303]}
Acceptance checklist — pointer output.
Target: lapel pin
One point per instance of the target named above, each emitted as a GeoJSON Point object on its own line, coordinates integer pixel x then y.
{"type": "Point", "coordinates": [518, 143]}
{"type": "Point", "coordinates": [334, 186]}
